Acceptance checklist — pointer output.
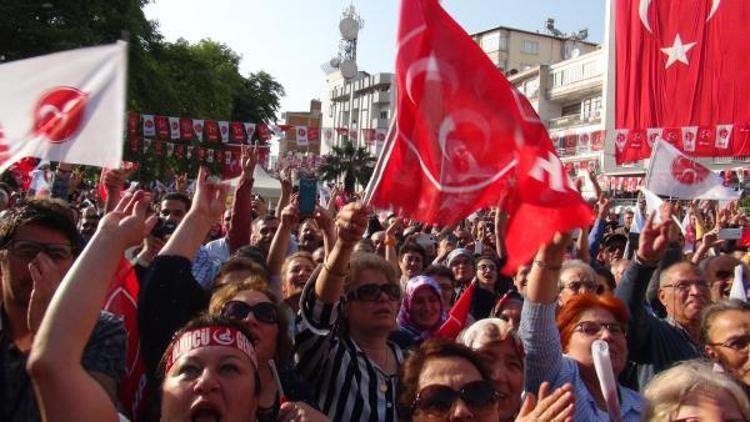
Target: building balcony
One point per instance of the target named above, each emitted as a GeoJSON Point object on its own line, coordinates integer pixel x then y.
{"type": "Point", "coordinates": [381, 97]}
{"type": "Point", "coordinates": [565, 122]}
{"type": "Point", "coordinates": [382, 79]}
{"type": "Point", "coordinates": [379, 123]}
{"type": "Point", "coordinates": [576, 78]}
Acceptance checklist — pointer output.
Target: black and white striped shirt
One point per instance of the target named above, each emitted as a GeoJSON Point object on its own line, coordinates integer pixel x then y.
{"type": "Point", "coordinates": [347, 386]}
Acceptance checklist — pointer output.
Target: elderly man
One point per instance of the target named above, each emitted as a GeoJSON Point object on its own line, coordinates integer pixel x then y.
{"type": "Point", "coordinates": [38, 244]}
{"type": "Point", "coordinates": [655, 343]}
{"type": "Point", "coordinates": [576, 277]}
{"type": "Point", "coordinates": [726, 333]}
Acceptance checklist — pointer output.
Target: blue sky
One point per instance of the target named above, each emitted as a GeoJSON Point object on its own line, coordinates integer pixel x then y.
{"type": "Point", "coordinates": [290, 39]}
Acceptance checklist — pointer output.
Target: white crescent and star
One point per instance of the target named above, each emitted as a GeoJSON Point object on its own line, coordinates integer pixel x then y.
{"type": "Point", "coordinates": [677, 52]}
{"type": "Point", "coordinates": [644, 6]}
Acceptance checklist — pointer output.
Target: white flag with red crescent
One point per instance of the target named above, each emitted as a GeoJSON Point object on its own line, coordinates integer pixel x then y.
{"type": "Point", "coordinates": [67, 107]}
{"type": "Point", "coordinates": [674, 174]}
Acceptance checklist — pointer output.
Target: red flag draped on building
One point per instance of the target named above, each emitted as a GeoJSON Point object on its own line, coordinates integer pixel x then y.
{"type": "Point", "coordinates": [462, 136]}
{"type": "Point", "coordinates": [682, 65]}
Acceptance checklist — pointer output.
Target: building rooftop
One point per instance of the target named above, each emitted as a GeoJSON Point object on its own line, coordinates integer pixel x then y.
{"type": "Point", "coordinates": [541, 34]}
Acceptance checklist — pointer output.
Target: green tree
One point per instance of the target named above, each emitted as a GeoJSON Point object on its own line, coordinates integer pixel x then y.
{"type": "Point", "coordinates": [355, 164]}
{"type": "Point", "coordinates": [258, 99]}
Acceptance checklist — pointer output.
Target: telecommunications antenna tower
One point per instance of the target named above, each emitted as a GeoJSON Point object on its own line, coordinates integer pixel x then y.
{"type": "Point", "coordinates": [346, 59]}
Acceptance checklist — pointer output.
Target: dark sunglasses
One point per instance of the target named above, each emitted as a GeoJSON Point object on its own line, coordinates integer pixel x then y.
{"type": "Point", "coordinates": [437, 400]}
{"type": "Point", "coordinates": [263, 312]}
{"type": "Point", "coordinates": [371, 292]}
{"type": "Point", "coordinates": [28, 249]}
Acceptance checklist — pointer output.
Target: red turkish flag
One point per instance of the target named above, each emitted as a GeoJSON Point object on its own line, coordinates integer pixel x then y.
{"type": "Point", "coordinates": [461, 134]}
{"type": "Point", "coordinates": [313, 133]}
{"type": "Point", "coordinates": [681, 63]}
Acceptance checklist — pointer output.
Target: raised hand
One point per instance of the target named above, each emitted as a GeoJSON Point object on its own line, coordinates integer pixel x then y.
{"type": "Point", "coordinates": [603, 205]}
{"type": "Point", "coordinates": [290, 213]}
{"type": "Point", "coordinates": [654, 239]}
{"type": "Point", "coordinates": [351, 222]}
{"type": "Point", "coordinates": [114, 180]}
{"type": "Point", "coordinates": [127, 222]}
{"type": "Point", "coordinates": [557, 406]}
{"type": "Point", "coordinates": [249, 160]}
{"type": "Point", "coordinates": [392, 231]}
{"type": "Point", "coordinates": [323, 218]}
{"type": "Point", "coordinates": [210, 196]}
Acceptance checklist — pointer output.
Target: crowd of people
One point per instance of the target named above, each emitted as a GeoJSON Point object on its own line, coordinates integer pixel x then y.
{"type": "Point", "coordinates": [248, 313]}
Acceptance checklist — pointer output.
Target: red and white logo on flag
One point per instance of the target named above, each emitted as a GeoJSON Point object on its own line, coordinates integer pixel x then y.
{"type": "Point", "coordinates": [687, 171]}
{"type": "Point", "coordinates": [723, 133]}
{"type": "Point", "coordinates": [224, 131]}
{"type": "Point", "coordinates": [59, 113]}
{"type": "Point", "coordinates": [174, 127]}
{"type": "Point", "coordinates": [652, 134]}
{"type": "Point", "coordinates": [621, 139]}
{"type": "Point", "coordinates": [301, 135]}
{"type": "Point", "coordinates": [689, 135]}
{"type": "Point", "coordinates": [149, 127]}
{"type": "Point", "coordinates": [198, 128]}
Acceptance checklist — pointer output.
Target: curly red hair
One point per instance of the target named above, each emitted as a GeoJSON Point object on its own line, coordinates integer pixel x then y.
{"type": "Point", "coordinates": [569, 314]}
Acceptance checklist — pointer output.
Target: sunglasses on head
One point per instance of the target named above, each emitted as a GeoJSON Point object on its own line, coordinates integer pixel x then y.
{"type": "Point", "coordinates": [438, 400]}
{"type": "Point", "coordinates": [371, 292]}
{"type": "Point", "coordinates": [263, 312]}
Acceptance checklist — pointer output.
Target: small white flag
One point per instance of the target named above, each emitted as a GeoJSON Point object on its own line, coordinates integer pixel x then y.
{"type": "Point", "coordinates": [723, 134]}
{"type": "Point", "coordinates": [198, 129]}
{"type": "Point", "coordinates": [621, 139]}
{"type": "Point", "coordinates": [67, 107]}
{"type": "Point", "coordinates": [674, 174]}
{"type": "Point", "coordinates": [224, 131]}
{"type": "Point", "coordinates": [149, 127]}
{"type": "Point", "coordinates": [652, 134]}
{"type": "Point", "coordinates": [174, 127]}
{"type": "Point", "coordinates": [301, 135]}
{"type": "Point", "coordinates": [688, 138]}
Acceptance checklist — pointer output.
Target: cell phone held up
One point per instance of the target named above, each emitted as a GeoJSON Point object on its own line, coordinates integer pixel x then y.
{"type": "Point", "coordinates": [163, 228]}
{"type": "Point", "coordinates": [308, 195]}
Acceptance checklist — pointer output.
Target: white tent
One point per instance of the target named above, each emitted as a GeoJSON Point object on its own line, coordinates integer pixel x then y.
{"type": "Point", "coordinates": [264, 184]}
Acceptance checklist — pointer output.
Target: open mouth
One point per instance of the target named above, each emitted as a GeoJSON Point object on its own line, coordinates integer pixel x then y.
{"type": "Point", "coordinates": [205, 412]}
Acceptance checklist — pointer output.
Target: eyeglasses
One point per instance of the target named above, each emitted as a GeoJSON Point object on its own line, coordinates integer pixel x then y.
{"type": "Point", "coordinates": [437, 400]}
{"type": "Point", "coordinates": [684, 285]}
{"type": "Point", "coordinates": [28, 249]}
{"type": "Point", "coordinates": [371, 292]}
{"type": "Point", "coordinates": [579, 285]}
{"type": "Point", "coordinates": [593, 329]}
{"type": "Point", "coordinates": [738, 344]}
{"type": "Point", "coordinates": [484, 267]}
{"type": "Point", "coordinates": [263, 312]}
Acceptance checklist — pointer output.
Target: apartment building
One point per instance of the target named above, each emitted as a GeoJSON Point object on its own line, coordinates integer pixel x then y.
{"type": "Point", "coordinates": [310, 118]}
{"type": "Point", "coordinates": [360, 105]}
{"type": "Point", "coordinates": [516, 50]}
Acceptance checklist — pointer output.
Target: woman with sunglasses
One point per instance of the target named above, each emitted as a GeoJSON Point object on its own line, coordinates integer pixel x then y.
{"type": "Point", "coordinates": [208, 370]}
{"type": "Point", "coordinates": [421, 312]}
{"type": "Point", "coordinates": [496, 341]}
{"type": "Point", "coordinates": [253, 305]}
{"type": "Point", "coordinates": [564, 356]}
{"type": "Point", "coordinates": [443, 380]}
{"type": "Point", "coordinates": [347, 312]}
{"type": "Point", "coordinates": [171, 296]}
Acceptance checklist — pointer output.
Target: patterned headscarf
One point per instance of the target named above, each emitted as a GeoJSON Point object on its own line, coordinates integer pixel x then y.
{"type": "Point", "coordinates": [404, 313]}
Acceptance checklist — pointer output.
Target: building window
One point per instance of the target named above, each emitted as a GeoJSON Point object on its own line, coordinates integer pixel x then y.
{"type": "Point", "coordinates": [384, 114]}
{"type": "Point", "coordinates": [490, 42]}
{"type": "Point", "coordinates": [502, 65]}
{"type": "Point", "coordinates": [530, 47]}
{"type": "Point", "coordinates": [571, 110]}
{"type": "Point", "coordinates": [503, 44]}
{"type": "Point", "coordinates": [592, 108]}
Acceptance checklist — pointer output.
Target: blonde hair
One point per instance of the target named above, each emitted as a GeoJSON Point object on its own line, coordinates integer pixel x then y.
{"type": "Point", "coordinates": [667, 391]}
{"type": "Point", "coordinates": [487, 331]}
{"type": "Point", "coordinates": [369, 261]}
